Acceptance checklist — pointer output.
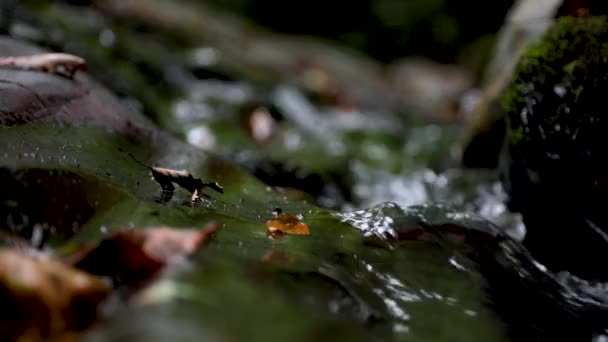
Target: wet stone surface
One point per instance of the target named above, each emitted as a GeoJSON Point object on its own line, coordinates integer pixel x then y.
{"type": "Point", "coordinates": [403, 244]}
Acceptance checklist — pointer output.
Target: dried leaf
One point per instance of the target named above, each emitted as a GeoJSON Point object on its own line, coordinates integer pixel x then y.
{"type": "Point", "coordinates": [164, 244]}
{"type": "Point", "coordinates": [54, 63]}
{"type": "Point", "coordinates": [41, 297]}
{"type": "Point", "coordinates": [287, 224]}
{"type": "Point", "coordinates": [136, 256]}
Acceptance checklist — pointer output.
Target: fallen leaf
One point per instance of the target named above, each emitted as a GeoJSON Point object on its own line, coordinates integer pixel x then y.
{"type": "Point", "coordinates": [53, 63]}
{"type": "Point", "coordinates": [43, 298]}
{"type": "Point", "coordinates": [136, 256]}
{"type": "Point", "coordinates": [287, 224]}
{"type": "Point", "coordinates": [163, 244]}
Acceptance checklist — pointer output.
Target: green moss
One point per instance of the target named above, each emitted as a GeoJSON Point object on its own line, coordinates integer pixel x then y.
{"type": "Point", "coordinates": [571, 67]}
{"type": "Point", "coordinates": [515, 136]}
{"type": "Point", "coordinates": [558, 81]}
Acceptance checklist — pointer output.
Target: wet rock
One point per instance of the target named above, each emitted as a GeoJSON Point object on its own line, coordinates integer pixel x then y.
{"type": "Point", "coordinates": [525, 23]}
{"type": "Point", "coordinates": [557, 168]}
{"type": "Point", "coordinates": [37, 203]}
{"type": "Point", "coordinates": [530, 297]}
{"type": "Point", "coordinates": [33, 96]}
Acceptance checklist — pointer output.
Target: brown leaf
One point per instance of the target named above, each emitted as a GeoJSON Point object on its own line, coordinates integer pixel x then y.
{"type": "Point", "coordinates": [41, 297]}
{"type": "Point", "coordinates": [134, 257]}
{"type": "Point", "coordinates": [287, 224]}
{"type": "Point", "coordinates": [54, 63]}
{"type": "Point", "coordinates": [164, 244]}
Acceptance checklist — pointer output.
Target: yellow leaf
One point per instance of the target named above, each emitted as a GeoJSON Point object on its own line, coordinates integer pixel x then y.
{"type": "Point", "coordinates": [288, 224]}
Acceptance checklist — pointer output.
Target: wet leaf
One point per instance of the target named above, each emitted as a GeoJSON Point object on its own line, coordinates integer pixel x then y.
{"type": "Point", "coordinates": [287, 224]}
{"type": "Point", "coordinates": [41, 297]}
{"type": "Point", "coordinates": [136, 256]}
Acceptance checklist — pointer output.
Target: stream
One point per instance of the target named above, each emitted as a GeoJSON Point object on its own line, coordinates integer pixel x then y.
{"type": "Point", "coordinates": [404, 244]}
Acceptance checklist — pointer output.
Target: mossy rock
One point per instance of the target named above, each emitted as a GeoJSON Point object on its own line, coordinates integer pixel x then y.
{"type": "Point", "coordinates": [555, 102]}
{"type": "Point", "coordinates": [557, 142]}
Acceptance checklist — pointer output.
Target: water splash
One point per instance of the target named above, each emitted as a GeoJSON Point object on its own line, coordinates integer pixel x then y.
{"type": "Point", "coordinates": [377, 221]}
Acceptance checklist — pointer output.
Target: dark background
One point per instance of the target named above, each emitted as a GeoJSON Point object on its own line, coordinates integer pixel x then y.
{"type": "Point", "coordinates": [385, 29]}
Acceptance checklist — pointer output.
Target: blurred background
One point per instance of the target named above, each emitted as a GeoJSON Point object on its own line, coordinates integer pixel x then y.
{"type": "Point", "coordinates": [348, 104]}
{"type": "Point", "coordinates": [445, 31]}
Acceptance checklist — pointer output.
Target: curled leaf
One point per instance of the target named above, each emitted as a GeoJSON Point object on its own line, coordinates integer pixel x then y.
{"type": "Point", "coordinates": [287, 224]}
{"type": "Point", "coordinates": [136, 256]}
{"type": "Point", "coordinates": [42, 298]}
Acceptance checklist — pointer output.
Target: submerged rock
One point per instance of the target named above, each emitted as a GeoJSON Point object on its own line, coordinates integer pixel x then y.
{"type": "Point", "coordinates": [556, 139]}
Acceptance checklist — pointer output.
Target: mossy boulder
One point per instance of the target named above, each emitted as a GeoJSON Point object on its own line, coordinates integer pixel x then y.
{"type": "Point", "coordinates": [557, 141]}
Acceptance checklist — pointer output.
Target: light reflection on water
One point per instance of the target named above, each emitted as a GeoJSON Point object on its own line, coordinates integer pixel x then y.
{"type": "Point", "coordinates": [396, 296]}
{"type": "Point", "coordinates": [471, 193]}
{"type": "Point", "coordinates": [404, 302]}
{"type": "Point", "coordinates": [374, 221]}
